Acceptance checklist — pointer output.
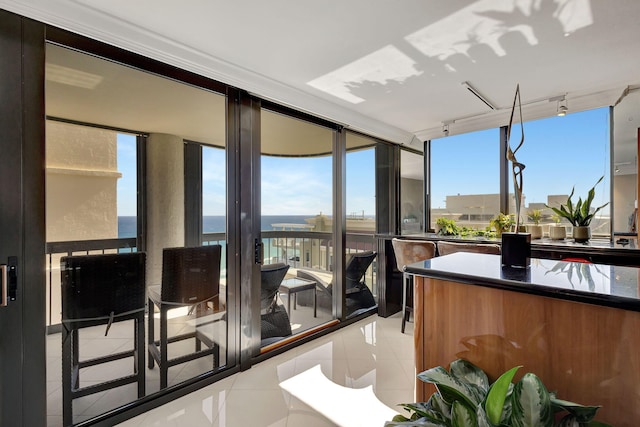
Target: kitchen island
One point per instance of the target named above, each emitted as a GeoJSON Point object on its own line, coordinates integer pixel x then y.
{"type": "Point", "coordinates": [576, 325]}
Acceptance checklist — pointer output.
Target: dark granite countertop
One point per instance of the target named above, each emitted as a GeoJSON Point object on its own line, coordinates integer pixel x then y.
{"type": "Point", "coordinates": [600, 284]}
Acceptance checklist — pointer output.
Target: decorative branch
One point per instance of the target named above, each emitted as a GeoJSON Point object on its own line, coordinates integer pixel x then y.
{"type": "Point", "coordinates": [516, 167]}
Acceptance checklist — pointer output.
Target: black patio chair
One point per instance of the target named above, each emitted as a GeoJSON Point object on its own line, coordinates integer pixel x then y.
{"type": "Point", "coordinates": [274, 320]}
{"type": "Point", "coordinates": [358, 295]}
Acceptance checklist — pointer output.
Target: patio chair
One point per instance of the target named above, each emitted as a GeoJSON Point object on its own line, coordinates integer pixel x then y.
{"type": "Point", "coordinates": [190, 278]}
{"type": "Point", "coordinates": [274, 320]}
{"type": "Point", "coordinates": [100, 290]}
{"type": "Point", "coordinates": [408, 252]}
{"type": "Point", "coordinates": [358, 295]}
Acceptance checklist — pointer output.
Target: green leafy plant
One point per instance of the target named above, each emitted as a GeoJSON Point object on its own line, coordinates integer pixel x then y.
{"type": "Point", "coordinates": [579, 214]}
{"type": "Point", "coordinates": [535, 215]}
{"type": "Point", "coordinates": [464, 398]}
{"type": "Point", "coordinates": [487, 233]}
{"type": "Point", "coordinates": [502, 222]}
{"type": "Point", "coordinates": [447, 227]}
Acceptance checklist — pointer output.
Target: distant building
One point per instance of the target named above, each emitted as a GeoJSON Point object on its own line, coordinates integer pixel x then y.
{"type": "Point", "coordinates": [476, 210]}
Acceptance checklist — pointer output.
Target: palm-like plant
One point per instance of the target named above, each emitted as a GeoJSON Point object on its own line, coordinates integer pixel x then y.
{"type": "Point", "coordinates": [579, 214]}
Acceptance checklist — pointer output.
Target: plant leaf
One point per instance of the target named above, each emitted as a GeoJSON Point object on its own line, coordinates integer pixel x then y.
{"type": "Point", "coordinates": [462, 415]}
{"type": "Point", "coordinates": [583, 414]}
{"type": "Point", "coordinates": [421, 408]}
{"type": "Point", "coordinates": [481, 415]}
{"type": "Point", "coordinates": [438, 405]}
{"type": "Point", "coordinates": [506, 408]}
{"type": "Point", "coordinates": [568, 421]}
{"type": "Point", "coordinates": [425, 410]}
{"type": "Point", "coordinates": [413, 423]}
{"type": "Point", "coordinates": [450, 388]}
{"type": "Point", "coordinates": [495, 398]}
{"type": "Point", "coordinates": [531, 403]}
{"type": "Point", "coordinates": [470, 373]}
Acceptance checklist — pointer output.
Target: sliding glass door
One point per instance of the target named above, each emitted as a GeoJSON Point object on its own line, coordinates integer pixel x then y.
{"type": "Point", "coordinates": [296, 225]}
{"type": "Point", "coordinates": [135, 163]}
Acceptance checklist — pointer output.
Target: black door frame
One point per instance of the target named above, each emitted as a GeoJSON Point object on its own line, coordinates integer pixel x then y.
{"type": "Point", "coordinates": [22, 331]}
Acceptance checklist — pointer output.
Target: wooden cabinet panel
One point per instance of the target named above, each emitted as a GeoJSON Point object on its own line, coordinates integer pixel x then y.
{"type": "Point", "coordinates": [589, 354]}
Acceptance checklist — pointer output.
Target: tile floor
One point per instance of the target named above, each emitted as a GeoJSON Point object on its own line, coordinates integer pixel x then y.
{"type": "Point", "coordinates": [352, 377]}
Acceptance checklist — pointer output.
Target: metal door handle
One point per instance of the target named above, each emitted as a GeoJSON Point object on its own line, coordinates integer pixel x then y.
{"type": "Point", "coordinates": [4, 285]}
{"type": "Point", "coordinates": [9, 281]}
{"type": "Point", "coordinates": [258, 252]}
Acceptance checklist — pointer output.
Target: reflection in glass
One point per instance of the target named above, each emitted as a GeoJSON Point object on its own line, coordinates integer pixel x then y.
{"type": "Point", "coordinates": [626, 116]}
{"type": "Point", "coordinates": [411, 192]}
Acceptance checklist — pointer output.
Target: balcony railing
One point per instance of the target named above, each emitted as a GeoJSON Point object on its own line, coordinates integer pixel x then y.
{"type": "Point", "coordinates": [299, 249]}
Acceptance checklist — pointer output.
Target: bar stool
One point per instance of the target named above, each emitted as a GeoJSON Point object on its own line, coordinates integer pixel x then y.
{"type": "Point", "coordinates": [190, 278]}
{"type": "Point", "coordinates": [408, 252]}
{"type": "Point", "coordinates": [100, 290]}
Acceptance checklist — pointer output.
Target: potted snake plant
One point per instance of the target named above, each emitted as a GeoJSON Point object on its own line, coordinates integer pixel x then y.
{"type": "Point", "coordinates": [579, 214]}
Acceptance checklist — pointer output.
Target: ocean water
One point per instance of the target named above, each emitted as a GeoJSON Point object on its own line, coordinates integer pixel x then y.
{"type": "Point", "coordinates": [213, 224]}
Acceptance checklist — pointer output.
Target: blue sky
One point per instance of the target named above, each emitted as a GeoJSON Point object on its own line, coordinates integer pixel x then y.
{"type": "Point", "coordinates": [290, 186]}
{"type": "Point", "coordinates": [127, 167]}
{"type": "Point", "coordinates": [559, 152]}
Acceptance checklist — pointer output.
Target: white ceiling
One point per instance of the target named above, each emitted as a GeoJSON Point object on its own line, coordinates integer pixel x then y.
{"type": "Point", "coordinates": [392, 69]}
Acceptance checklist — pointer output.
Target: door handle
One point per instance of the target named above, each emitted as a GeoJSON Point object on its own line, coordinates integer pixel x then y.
{"type": "Point", "coordinates": [9, 281]}
{"type": "Point", "coordinates": [4, 285]}
{"type": "Point", "coordinates": [258, 251]}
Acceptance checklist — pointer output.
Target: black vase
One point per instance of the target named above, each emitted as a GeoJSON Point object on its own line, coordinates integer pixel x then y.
{"type": "Point", "coordinates": [516, 250]}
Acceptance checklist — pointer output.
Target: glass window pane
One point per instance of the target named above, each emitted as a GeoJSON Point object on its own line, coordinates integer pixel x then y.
{"type": "Point", "coordinates": [563, 153]}
{"type": "Point", "coordinates": [92, 202]}
{"type": "Point", "coordinates": [297, 223]}
{"type": "Point", "coordinates": [626, 136]}
{"type": "Point", "coordinates": [465, 178]}
{"type": "Point", "coordinates": [360, 205]}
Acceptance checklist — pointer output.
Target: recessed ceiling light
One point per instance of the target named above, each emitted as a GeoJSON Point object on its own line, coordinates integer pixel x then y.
{"type": "Point", "coordinates": [71, 77]}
